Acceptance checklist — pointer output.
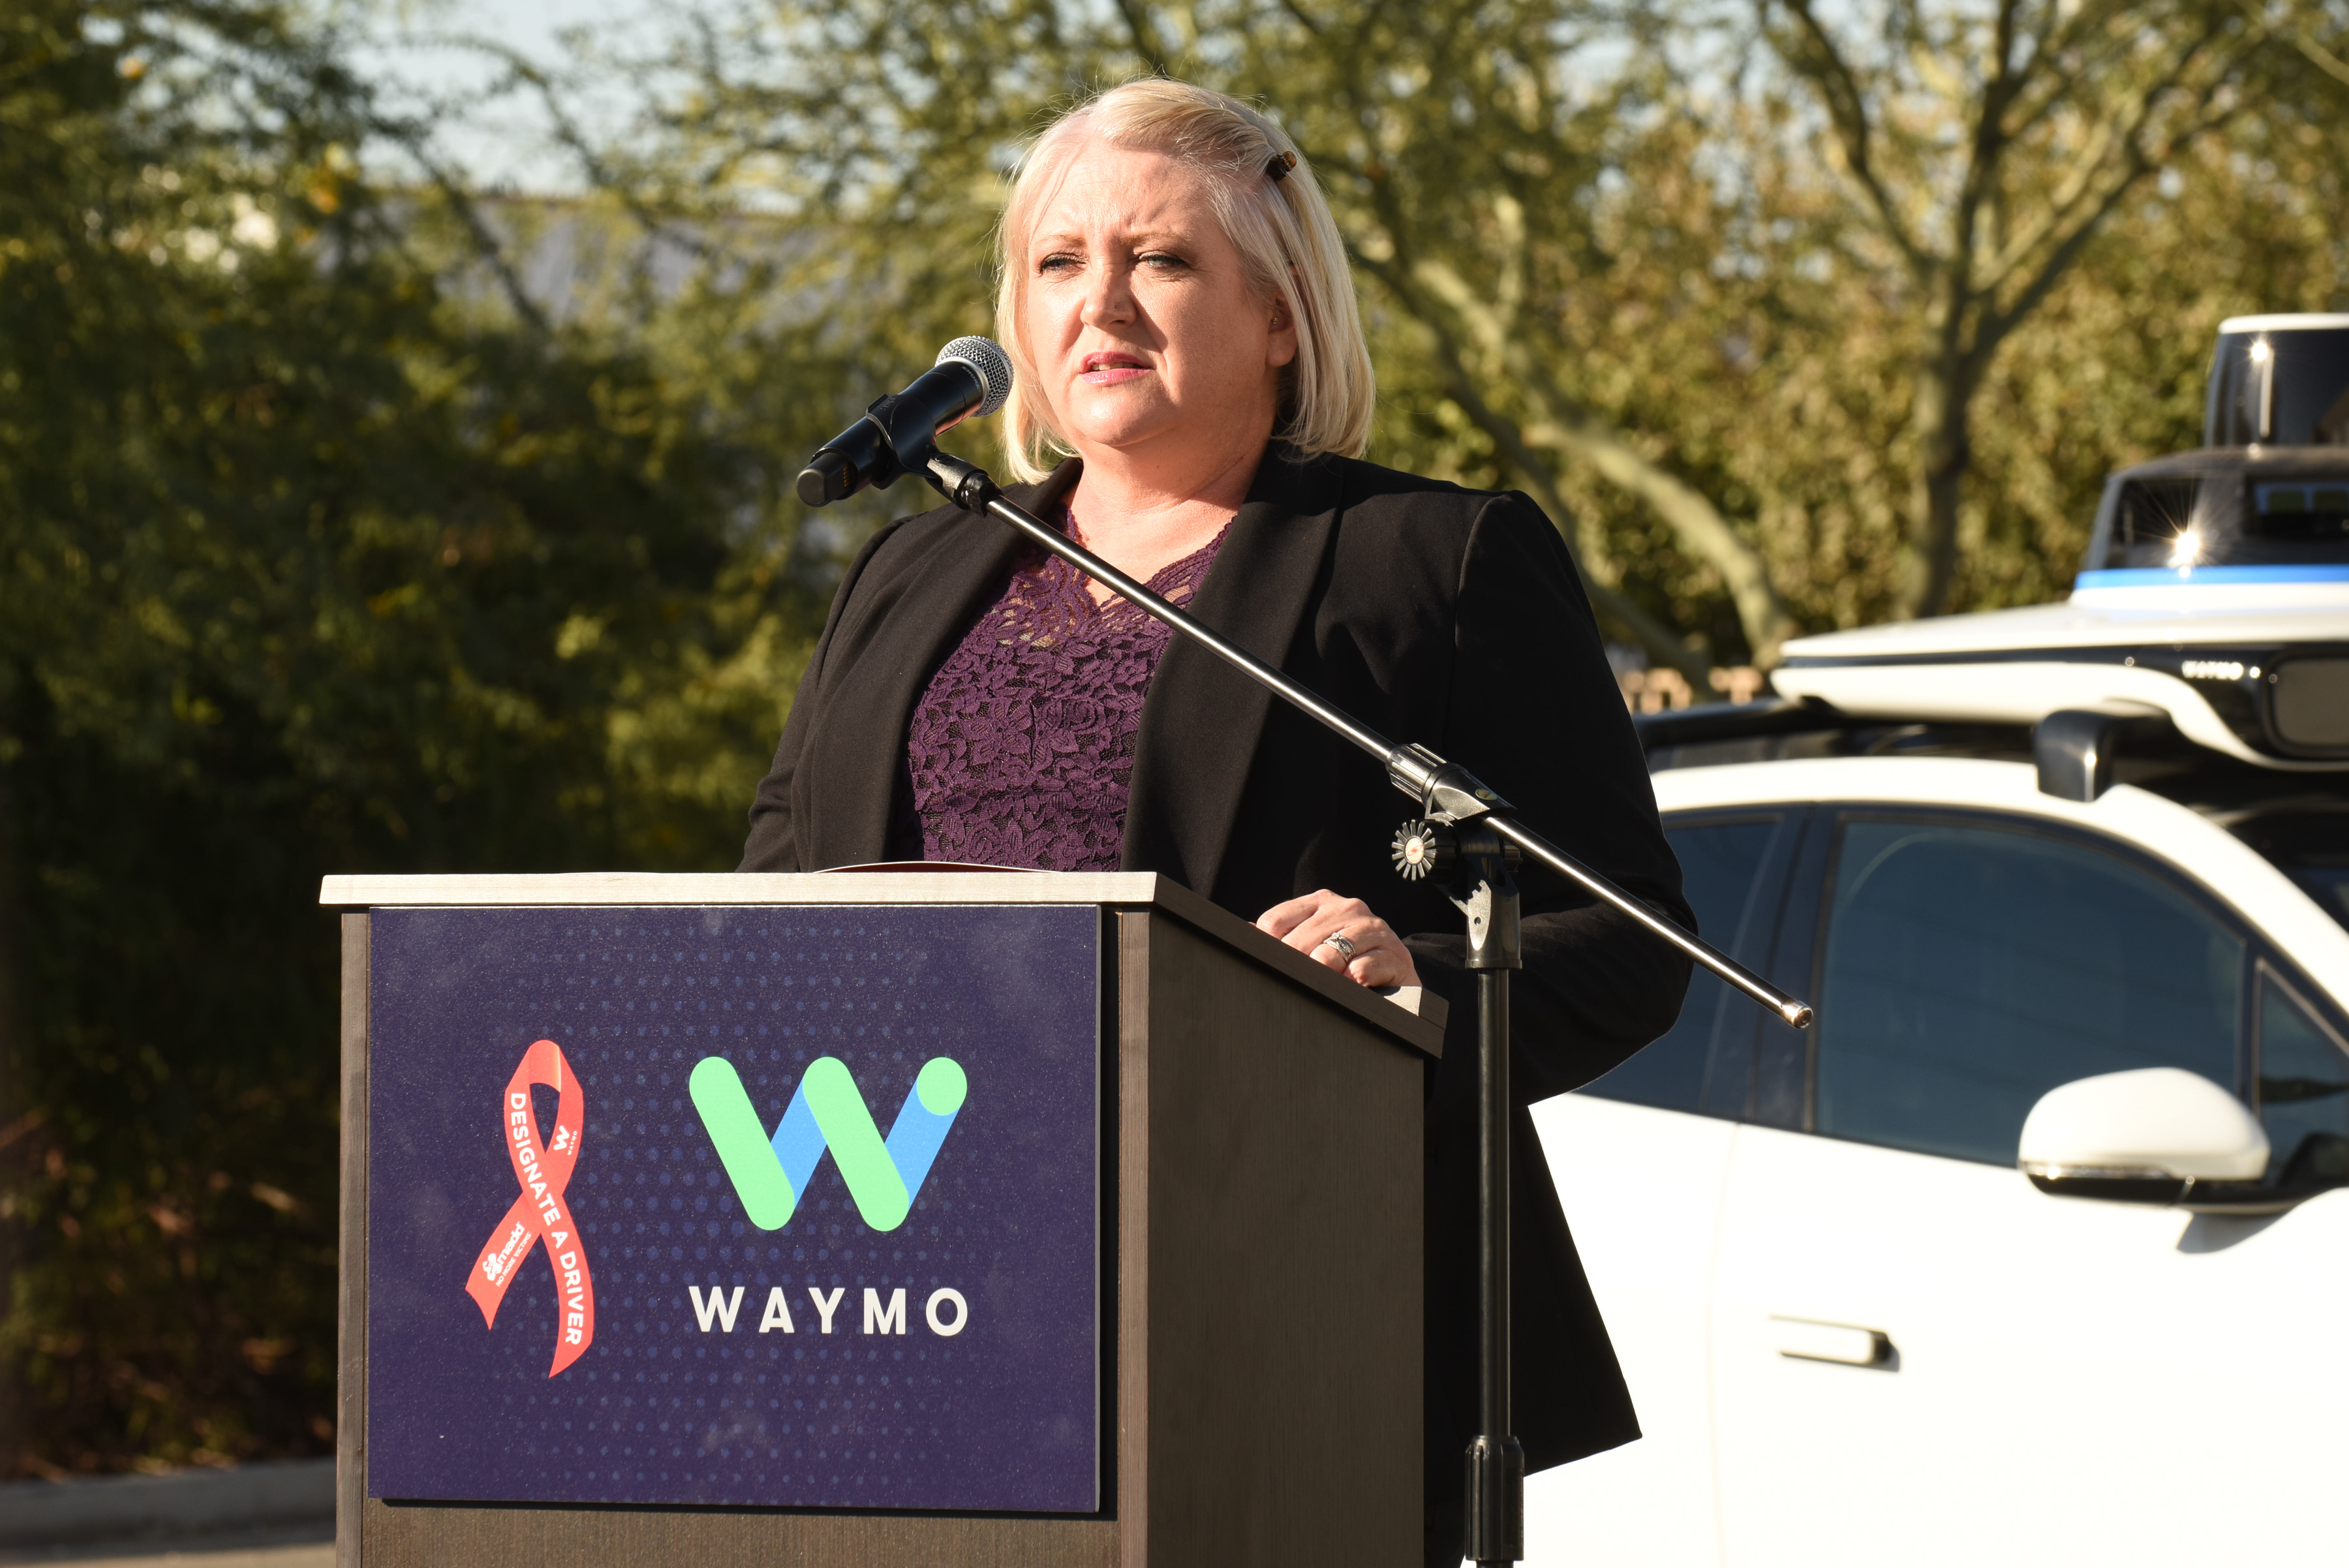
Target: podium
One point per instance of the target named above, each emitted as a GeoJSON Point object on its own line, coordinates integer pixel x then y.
{"type": "Point", "coordinates": [861, 1218]}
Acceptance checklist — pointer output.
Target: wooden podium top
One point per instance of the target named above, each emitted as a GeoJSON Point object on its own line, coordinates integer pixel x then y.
{"type": "Point", "coordinates": [1411, 1016]}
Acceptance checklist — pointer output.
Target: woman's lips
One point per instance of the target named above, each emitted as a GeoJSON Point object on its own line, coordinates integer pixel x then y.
{"type": "Point", "coordinates": [1108, 369]}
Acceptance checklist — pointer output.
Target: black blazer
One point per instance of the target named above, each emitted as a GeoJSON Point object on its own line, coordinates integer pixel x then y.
{"type": "Point", "coordinates": [1448, 617]}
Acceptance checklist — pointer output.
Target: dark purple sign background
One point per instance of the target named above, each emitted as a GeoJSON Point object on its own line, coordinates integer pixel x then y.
{"type": "Point", "coordinates": [1002, 1416]}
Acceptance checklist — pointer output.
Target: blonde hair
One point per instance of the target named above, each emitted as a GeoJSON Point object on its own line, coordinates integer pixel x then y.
{"type": "Point", "coordinates": [1281, 227]}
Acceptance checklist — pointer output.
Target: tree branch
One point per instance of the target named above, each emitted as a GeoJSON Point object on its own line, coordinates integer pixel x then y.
{"type": "Point", "coordinates": [599, 174]}
{"type": "Point", "coordinates": [487, 246]}
{"type": "Point", "coordinates": [2324, 60]}
{"type": "Point", "coordinates": [2085, 37]}
{"type": "Point", "coordinates": [1996, 325]}
{"type": "Point", "coordinates": [1980, 186]}
{"type": "Point", "coordinates": [1694, 518]}
{"type": "Point", "coordinates": [1298, 15]}
{"type": "Point", "coordinates": [2065, 229]}
{"type": "Point", "coordinates": [1661, 643]}
{"type": "Point", "coordinates": [1847, 107]}
{"type": "Point", "coordinates": [1144, 37]}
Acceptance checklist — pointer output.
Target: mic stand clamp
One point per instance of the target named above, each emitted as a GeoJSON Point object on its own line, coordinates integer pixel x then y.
{"type": "Point", "coordinates": [1467, 839]}
{"type": "Point", "coordinates": [965, 484]}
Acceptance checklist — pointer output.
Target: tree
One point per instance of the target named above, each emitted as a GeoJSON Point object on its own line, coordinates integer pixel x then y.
{"type": "Point", "coordinates": [1982, 151]}
{"type": "Point", "coordinates": [1475, 184]}
{"type": "Point", "coordinates": [314, 556]}
{"type": "Point", "coordinates": [899, 148]}
{"type": "Point", "coordinates": [1615, 255]}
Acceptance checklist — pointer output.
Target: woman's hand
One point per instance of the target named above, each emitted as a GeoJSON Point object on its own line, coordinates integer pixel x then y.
{"type": "Point", "coordinates": [1343, 934]}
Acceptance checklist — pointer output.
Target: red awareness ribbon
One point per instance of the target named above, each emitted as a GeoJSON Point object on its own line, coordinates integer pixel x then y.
{"type": "Point", "coordinates": [539, 1214]}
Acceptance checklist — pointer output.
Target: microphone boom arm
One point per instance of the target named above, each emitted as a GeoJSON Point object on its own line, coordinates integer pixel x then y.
{"type": "Point", "coordinates": [1443, 790]}
{"type": "Point", "coordinates": [1470, 838]}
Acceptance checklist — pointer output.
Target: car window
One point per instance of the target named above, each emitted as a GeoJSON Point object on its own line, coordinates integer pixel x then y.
{"type": "Point", "coordinates": [1969, 970]}
{"type": "Point", "coordinates": [2304, 1089]}
{"type": "Point", "coordinates": [2308, 842]}
{"type": "Point", "coordinates": [2329, 886]}
{"type": "Point", "coordinates": [1720, 864]}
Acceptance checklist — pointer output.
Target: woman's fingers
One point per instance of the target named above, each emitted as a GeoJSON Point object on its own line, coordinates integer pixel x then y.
{"type": "Point", "coordinates": [1283, 918]}
{"type": "Point", "coordinates": [1303, 923]}
{"type": "Point", "coordinates": [1341, 933]}
{"type": "Point", "coordinates": [1385, 962]}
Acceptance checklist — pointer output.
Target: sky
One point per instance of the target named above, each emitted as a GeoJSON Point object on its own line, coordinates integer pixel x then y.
{"type": "Point", "coordinates": [422, 51]}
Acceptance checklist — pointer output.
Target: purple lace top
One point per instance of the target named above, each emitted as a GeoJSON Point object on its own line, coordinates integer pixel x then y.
{"type": "Point", "coordinates": [1022, 747]}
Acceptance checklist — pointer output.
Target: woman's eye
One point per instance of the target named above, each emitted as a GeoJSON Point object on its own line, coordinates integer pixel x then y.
{"type": "Point", "coordinates": [1166, 259]}
{"type": "Point", "coordinates": [1058, 262]}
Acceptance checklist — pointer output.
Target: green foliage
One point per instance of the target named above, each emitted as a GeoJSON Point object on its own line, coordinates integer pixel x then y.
{"type": "Point", "coordinates": [1622, 257]}
{"type": "Point", "coordinates": [311, 559]}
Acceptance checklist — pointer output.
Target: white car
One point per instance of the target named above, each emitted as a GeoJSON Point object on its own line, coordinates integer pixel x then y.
{"type": "Point", "coordinates": [1858, 1335]}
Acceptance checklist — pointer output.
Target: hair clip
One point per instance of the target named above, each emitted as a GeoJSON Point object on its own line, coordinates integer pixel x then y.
{"type": "Point", "coordinates": [1280, 164]}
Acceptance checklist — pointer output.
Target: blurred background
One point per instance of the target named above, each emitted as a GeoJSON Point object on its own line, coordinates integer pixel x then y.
{"type": "Point", "coordinates": [399, 407]}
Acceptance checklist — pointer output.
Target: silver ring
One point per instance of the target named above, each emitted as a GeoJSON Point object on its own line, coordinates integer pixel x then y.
{"type": "Point", "coordinates": [1337, 939]}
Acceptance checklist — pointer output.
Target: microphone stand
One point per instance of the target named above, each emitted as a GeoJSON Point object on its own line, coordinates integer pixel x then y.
{"type": "Point", "coordinates": [1468, 839]}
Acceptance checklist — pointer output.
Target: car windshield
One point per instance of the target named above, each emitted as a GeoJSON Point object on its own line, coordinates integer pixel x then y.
{"type": "Point", "coordinates": [2273, 518]}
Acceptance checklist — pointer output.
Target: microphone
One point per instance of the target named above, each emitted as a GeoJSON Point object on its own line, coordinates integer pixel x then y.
{"type": "Point", "coordinates": [971, 380]}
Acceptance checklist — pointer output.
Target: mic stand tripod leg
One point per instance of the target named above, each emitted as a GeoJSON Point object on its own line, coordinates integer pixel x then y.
{"type": "Point", "coordinates": [1496, 1465]}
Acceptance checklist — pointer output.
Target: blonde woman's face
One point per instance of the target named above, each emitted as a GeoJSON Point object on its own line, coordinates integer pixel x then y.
{"type": "Point", "coordinates": [1148, 336]}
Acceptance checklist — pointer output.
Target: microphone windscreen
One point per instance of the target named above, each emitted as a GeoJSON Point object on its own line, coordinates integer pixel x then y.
{"type": "Point", "coordinates": [986, 357]}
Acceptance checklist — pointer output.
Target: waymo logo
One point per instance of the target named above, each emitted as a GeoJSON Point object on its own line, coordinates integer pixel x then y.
{"type": "Point", "coordinates": [770, 1175]}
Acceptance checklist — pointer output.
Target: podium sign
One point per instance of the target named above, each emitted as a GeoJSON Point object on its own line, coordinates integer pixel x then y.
{"type": "Point", "coordinates": [934, 1219]}
{"type": "Point", "coordinates": [781, 1207]}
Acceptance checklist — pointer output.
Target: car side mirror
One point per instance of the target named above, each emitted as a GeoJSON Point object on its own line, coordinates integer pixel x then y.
{"type": "Point", "coordinates": [2156, 1135]}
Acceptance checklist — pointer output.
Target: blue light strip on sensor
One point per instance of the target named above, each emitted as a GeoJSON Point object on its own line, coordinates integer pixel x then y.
{"type": "Point", "coordinates": [2164, 577]}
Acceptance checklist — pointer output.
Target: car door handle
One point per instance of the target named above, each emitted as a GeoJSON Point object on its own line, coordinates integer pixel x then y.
{"type": "Point", "coordinates": [1846, 1345]}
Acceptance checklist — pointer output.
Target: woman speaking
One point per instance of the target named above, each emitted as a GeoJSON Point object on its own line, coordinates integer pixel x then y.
{"type": "Point", "coordinates": [1193, 395]}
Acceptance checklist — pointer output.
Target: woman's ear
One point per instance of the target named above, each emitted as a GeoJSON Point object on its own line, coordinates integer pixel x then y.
{"type": "Point", "coordinates": [1280, 347]}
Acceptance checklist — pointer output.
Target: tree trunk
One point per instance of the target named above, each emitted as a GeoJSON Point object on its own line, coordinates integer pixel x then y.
{"type": "Point", "coordinates": [16, 1049]}
{"type": "Point", "coordinates": [1929, 565]}
{"type": "Point", "coordinates": [1694, 522]}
